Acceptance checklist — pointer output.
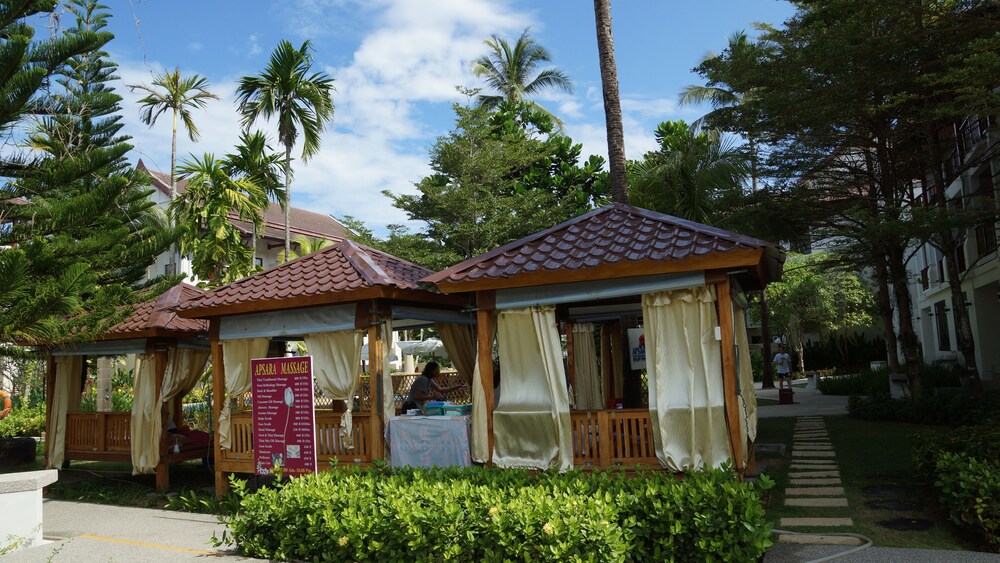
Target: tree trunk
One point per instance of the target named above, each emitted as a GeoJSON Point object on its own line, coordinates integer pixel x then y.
{"type": "Point", "coordinates": [174, 261]}
{"type": "Point", "coordinates": [765, 337]}
{"type": "Point", "coordinates": [612, 104]}
{"type": "Point", "coordinates": [885, 311]}
{"type": "Point", "coordinates": [288, 200]}
{"type": "Point", "coordinates": [960, 313]}
{"type": "Point", "coordinates": [904, 314]}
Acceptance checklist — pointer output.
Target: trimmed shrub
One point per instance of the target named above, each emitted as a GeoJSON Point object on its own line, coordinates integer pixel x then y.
{"type": "Point", "coordinates": [970, 491]}
{"type": "Point", "coordinates": [23, 421]}
{"type": "Point", "coordinates": [868, 382]}
{"type": "Point", "coordinates": [487, 515]}
{"type": "Point", "coordinates": [951, 409]}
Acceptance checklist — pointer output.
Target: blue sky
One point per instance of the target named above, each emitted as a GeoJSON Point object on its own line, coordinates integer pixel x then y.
{"type": "Point", "coordinates": [396, 65]}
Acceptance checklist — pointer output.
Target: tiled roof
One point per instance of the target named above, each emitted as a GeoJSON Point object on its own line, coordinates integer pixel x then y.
{"type": "Point", "coordinates": [342, 268]}
{"type": "Point", "coordinates": [156, 315]}
{"type": "Point", "coordinates": [617, 234]}
{"type": "Point", "coordinates": [301, 221]}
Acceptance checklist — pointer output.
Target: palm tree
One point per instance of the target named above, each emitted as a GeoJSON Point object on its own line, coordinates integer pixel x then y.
{"type": "Point", "coordinates": [694, 175]}
{"type": "Point", "coordinates": [305, 246]}
{"type": "Point", "coordinates": [511, 71]}
{"type": "Point", "coordinates": [179, 95]}
{"type": "Point", "coordinates": [297, 99]}
{"type": "Point", "coordinates": [612, 104]}
{"type": "Point", "coordinates": [255, 161]}
{"type": "Point", "coordinates": [205, 212]}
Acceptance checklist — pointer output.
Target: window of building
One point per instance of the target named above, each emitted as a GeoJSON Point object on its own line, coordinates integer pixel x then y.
{"type": "Point", "coordinates": [940, 314]}
{"type": "Point", "coordinates": [259, 262]}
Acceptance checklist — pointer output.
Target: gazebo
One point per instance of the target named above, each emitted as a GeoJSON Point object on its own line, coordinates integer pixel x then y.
{"type": "Point", "coordinates": [678, 283]}
{"type": "Point", "coordinates": [171, 354]}
{"type": "Point", "coordinates": [330, 300]}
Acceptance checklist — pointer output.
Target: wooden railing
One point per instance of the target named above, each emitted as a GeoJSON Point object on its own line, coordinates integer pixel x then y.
{"type": "Point", "coordinates": [329, 447]}
{"type": "Point", "coordinates": [612, 437]}
{"type": "Point", "coordinates": [99, 432]}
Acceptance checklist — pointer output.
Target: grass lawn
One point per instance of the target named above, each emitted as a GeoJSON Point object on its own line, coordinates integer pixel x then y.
{"type": "Point", "coordinates": [766, 402]}
{"type": "Point", "coordinates": [869, 454]}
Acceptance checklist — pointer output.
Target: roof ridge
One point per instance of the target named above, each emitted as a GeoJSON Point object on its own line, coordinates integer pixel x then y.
{"type": "Point", "coordinates": [362, 262]}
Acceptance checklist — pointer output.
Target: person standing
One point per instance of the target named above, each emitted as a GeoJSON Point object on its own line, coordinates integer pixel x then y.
{"type": "Point", "coordinates": [784, 364]}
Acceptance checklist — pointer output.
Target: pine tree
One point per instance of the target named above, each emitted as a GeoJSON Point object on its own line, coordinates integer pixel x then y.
{"type": "Point", "coordinates": [78, 231]}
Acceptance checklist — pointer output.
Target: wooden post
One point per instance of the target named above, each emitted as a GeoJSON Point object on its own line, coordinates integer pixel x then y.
{"type": "Point", "coordinates": [50, 389]}
{"type": "Point", "coordinates": [218, 399]}
{"type": "Point", "coordinates": [607, 370]}
{"type": "Point", "coordinates": [375, 391]}
{"type": "Point", "coordinates": [729, 373]}
{"type": "Point", "coordinates": [485, 306]}
{"type": "Point", "coordinates": [570, 360]}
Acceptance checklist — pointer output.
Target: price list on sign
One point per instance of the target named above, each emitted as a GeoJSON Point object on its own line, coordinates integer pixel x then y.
{"type": "Point", "coordinates": [284, 428]}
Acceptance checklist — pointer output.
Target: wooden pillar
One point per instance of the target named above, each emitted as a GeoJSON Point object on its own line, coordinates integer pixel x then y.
{"type": "Point", "coordinates": [607, 369]}
{"type": "Point", "coordinates": [570, 361]}
{"type": "Point", "coordinates": [485, 306]}
{"type": "Point", "coordinates": [50, 388]}
{"type": "Point", "coordinates": [725, 303]}
{"type": "Point", "coordinates": [375, 390]}
{"type": "Point", "coordinates": [218, 400]}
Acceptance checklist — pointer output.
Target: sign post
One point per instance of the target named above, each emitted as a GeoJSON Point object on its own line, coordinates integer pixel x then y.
{"type": "Point", "coordinates": [284, 427]}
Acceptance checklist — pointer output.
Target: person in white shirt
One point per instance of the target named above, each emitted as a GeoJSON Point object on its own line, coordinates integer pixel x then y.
{"type": "Point", "coordinates": [783, 362]}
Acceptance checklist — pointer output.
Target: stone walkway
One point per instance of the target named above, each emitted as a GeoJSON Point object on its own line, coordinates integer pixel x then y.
{"type": "Point", "coordinates": [814, 483]}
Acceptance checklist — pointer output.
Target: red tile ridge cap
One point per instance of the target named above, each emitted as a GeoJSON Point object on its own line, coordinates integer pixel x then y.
{"type": "Point", "coordinates": [358, 257]}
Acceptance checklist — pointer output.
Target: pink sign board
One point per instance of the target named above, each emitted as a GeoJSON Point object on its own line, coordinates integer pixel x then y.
{"type": "Point", "coordinates": [284, 429]}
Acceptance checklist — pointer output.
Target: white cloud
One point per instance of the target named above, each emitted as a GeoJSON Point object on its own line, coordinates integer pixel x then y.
{"type": "Point", "coordinates": [195, 46]}
{"type": "Point", "coordinates": [253, 46]}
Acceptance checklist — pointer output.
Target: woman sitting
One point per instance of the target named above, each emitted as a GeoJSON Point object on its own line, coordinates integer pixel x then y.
{"type": "Point", "coordinates": [424, 388]}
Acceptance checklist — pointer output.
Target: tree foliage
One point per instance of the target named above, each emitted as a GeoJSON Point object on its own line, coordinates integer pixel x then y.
{"type": "Point", "coordinates": [497, 177]}
{"type": "Point", "coordinates": [816, 294]}
{"type": "Point", "coordinates": [77, 231]}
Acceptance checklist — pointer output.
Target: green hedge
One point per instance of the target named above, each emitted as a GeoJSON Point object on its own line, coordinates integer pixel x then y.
{"type": "Point", "coordinates": [499, 515]}
{"type": "Point", "coordinates": [951, 409]}
{"type": "Point", "coordinates": [867, 382]}
{"type": "Point", "coordinates": [23, 421]}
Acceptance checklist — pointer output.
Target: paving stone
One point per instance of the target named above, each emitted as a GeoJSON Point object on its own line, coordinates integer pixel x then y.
{"type": "Point", "coordinates": [812, 482]}
{"type": "Point", "coordinates": [789, 522]}
{"type": "Point", "coordinates": [823, 435]}
{"type": "Point", "coordinates": [819, 539]}
{"type": "Point", "coordinates": [808, 474]}
{"type": "Point", "coordinates": [801, 453]}
{"type": "Point", "coordinates": [814, 491]}
{"type": "Point", "coordinates": [817, 446]}
{"type": "Point", "coordinates": [814, 461]}
{"type": "Point", "coordinates": [795, 467]}
{"type": "Point", "coordinates": [801, 427]}
{"type": "Point", "coordinates": [818, 502]}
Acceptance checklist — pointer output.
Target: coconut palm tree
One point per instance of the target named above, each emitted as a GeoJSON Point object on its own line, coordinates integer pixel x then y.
{"type": "Point", "coordinates": [305, 245]}
{"type": "Point", "coordinates": [204, 214]}
{"type": "Point", "coordinates": [511, 71]}
{"type": "Point", "coordinates": [170, 92]}
{"type": "Point", "coordinates": [612, 104]}
{"type": "Point", "coordinates": [287, 91]}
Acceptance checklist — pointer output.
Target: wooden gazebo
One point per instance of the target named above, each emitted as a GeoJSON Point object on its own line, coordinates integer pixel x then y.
{"type": "Point", "coordinates": [613, 267]}
{"type": "Point", "coordinates": [154, 332]}
{"type": "Point", "coordinates": [345, 288]}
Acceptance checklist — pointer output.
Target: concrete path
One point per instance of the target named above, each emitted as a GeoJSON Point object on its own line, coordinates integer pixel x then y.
{"type": "Point", "coordinates": [805, 402]}
{"type": "Point", "coordinates": [80, 532]}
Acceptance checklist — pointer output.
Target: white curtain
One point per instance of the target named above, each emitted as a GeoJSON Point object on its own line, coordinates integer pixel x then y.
{"type": "Point", "coordinates": [65, 394]}
{"type": "Point", "coordinates": [185, 366]}
{"type": "Point", "coordinates": [589, 387]}
{"type": "Point", "coordinates": [336, 360]}
{"type": "Point", "coordinates": [388, 395]}
{"type": "Point", "coordinates": [147, 419]}
{"type": "Point", "coordinates": [236, 356]}
{"type": "Point", "coordinates": [460, 343]}
{"type": "Point", "coordinates": [744, 370]}
{"type": "Point", "coordinates": [684, 373]}
{"type": "Point", "coordinates": [531, 425]}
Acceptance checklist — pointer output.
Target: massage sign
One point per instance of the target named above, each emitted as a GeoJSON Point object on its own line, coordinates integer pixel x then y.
{"type": "Point", "coordinates": [284, 429]}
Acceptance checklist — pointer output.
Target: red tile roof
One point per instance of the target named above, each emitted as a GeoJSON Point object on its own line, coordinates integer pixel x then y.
{"type": "Point", "coordinates": [157, 316]}
{"type": "Point", "coordinates": [617, 237]}
{"type": "Point", "coordinates": [301, 221]}
{"type": "Point", "coordinates": [331, 274]}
